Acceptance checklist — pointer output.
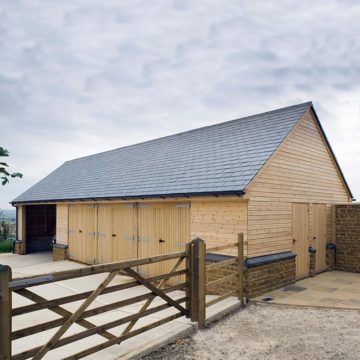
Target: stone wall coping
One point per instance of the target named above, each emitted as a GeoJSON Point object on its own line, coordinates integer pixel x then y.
{"type": "Point", "coordinates": [60, 246]}
{"type": "Point", "coordinates": [331, 246]}
{"type": "Point", "coordinates": [346, 205]}
{"type": "Point", "coordinates": [268, 259]}
{"type": "Point", "coordinates": [218, 257]}
{"type": "Point", "coordinates": [253, 261]}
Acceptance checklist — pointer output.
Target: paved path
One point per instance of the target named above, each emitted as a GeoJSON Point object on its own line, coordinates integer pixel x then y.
{"type": "Point", "coordinates": [42, 263]}
{"type": "Point", "coordinates": [333, 289]}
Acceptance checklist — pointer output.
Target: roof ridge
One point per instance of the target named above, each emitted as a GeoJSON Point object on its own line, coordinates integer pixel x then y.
{"type": "Point", "coordinates": [308, 103]}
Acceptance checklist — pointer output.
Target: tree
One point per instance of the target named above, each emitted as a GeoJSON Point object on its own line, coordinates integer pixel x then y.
{"type": "Point", "coordinates": [4, 173]}
{"type": "Point", "coordinates": [4, 227]}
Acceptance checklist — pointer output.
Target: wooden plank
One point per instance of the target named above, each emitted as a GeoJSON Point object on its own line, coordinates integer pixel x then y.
{"type": "Point", "coordinates": [28, 281]}
{"type": "Point", "coordinates": [72, 319]}
{"type": "Point", "coordinates": [155, 290]}
{"type": "Point", "coordinates": [82, 231]}
{"type": "Point", "coordinates": [319, 235]}
{"type": "Point", "coordinates": [21, 226]}
{"type": "Point", "coordinates": [71, 298]}
{"type": "Point", "coordinates": [89, 313]}
{"type": "Point", "coordinates": [241, 268]}
{"type": "Point", "coordinates": [221, 298]}
{"type": "Point", "coordinates": [197, 281]}
{"type": "Point", "coordinates": [149, 301]}
{"type": "Point", "coordinates": [62, 222]}
{"type": "Point", "coordinates": [221, 264]}
{"type": "Point", "coordinates": [218, 221]}
{"type": "Point", "coordinates": [301, 238]}
{"type": "Point", "coordinates": [188, 268]}
{"type": "Point", "coordinates": [121, 338]}
{"type": "Point", "coordinates": [222, 280]}
{"type": "Point", "coordinates": [221, 248]}
{"type": "Point", "coordinates": [5, 313]}
{"type": "Point", "coordinates": [96, 330]}
{"type": "Point", "coordinates": [60, 311]}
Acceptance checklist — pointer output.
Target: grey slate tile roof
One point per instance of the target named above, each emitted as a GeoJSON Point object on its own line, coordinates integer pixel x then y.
{"type": "Point", "coordinates": [214, 159]}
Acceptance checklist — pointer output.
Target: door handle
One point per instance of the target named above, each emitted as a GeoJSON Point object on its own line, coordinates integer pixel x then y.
{"type": "Point", "coordinates": [294, 241]}
{"type": "Point", "coordinates": [161, 241]}
{"type": "Point", "coordinates": [113, 235]}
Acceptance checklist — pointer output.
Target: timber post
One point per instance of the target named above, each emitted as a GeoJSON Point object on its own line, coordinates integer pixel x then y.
{"type": "Point", "coordinates": [188, 278]}
{"type": "Point", "coordinates": [241, 268]}
{"type": "Point", "coordinates": [197, 281]}
{"type": "Point", "coordinates": [5, 313]}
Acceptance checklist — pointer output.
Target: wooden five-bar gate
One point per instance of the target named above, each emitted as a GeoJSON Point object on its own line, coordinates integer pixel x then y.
{"type": "Point", "coordinates": [189, 266]}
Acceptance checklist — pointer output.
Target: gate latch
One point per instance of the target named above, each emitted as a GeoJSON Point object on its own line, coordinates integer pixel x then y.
{"type": "Point", "coordinates": [161, 241]}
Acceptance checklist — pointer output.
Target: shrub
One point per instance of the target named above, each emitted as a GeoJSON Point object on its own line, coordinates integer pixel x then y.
{"type": "Point", "coordinates": [6, 246]}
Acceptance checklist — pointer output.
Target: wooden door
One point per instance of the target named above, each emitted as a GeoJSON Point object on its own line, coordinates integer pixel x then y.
{"type": "Point", "coordinates": [175, 233]}
{"type": "Point", "coordinates": [82, 231]}
{"type": "Point", "coordinates": [319, 235]}
{"type": "Point", "coordinates": [148, 235]}
{"type": "Point", "coordinates": [116, 234]}
{"type": "Point", "coordinates": [301, 238]}
{"type": "Point", "coordinates": [162, 228]}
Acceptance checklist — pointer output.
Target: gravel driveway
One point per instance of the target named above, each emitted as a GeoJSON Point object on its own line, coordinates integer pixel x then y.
{"type": "Point", "coordinates": [264, 331]}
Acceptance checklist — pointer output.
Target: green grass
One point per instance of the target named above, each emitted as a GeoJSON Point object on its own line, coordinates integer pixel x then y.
{"type": "Point", "coordinates": [6, 246]}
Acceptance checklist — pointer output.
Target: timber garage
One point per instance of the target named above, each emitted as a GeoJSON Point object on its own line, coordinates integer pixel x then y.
{"type": "Point", "coordinates": [272, 176]}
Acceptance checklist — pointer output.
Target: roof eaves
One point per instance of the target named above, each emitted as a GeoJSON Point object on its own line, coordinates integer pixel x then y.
{"type": "Point", "coordinates": [136, 197]}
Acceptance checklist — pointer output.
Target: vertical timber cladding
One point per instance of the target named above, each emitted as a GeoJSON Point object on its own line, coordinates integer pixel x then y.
{"type": "Point", "coordinates": [82, 233]}
{"type": "Point", "coordinates": [100, 233]}
{"type": "Point", "coordinates": [62, 223]}
{"type": "Point", "coordinates": [301, 238]}
{"type": "Point", "coordinates": [162, 228]}
{"type": "Point", "coordinates": [319, 231]}
{"type": "Point", "coordinates": [116, 232]}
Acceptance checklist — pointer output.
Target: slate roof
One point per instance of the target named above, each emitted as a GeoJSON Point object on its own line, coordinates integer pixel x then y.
{"type": "Point", "coordinates": [216, 159]}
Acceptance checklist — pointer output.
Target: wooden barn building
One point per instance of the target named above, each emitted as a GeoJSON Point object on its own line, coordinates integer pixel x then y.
{"type": "Point", "coordinates": [272, 176]}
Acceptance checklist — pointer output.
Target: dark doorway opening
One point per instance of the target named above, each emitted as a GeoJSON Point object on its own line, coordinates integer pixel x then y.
{"type": "Point", "coordinates": [40, 227]}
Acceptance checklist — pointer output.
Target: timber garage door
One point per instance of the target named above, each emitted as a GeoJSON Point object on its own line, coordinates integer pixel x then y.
{"type": "Point", "coordinates": [162, 228]}
{"type": "Point", "coordinates": [82, 231]}
{"type": "Point", "coordinates": [104, 233]}
{"type": "Point", "coordinates": [116, 233]}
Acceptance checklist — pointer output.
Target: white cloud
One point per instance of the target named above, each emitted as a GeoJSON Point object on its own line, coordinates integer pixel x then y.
{"type": "Point", "coordinates": [78, 77]}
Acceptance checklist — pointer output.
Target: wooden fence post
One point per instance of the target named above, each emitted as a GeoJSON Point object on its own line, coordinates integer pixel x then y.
{"type": "Point", "coordinates": [197, 281]}
{"type": "Point", "coordinates": [5, 313]}
{"type": "Point", "coordinates": [188, 278]}
{"type": "Point", "coordinates": [241, 267]}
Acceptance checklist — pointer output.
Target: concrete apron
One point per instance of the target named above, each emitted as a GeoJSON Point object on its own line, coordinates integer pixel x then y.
{"type": "Point", "coordinates": [333, 289]}
{"type": "Point", "coordinates": [134, 347]}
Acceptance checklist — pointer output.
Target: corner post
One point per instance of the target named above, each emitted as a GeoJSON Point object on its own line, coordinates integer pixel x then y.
{"type": "Point", "coordinates": [5, 313]}
{"type": "Point", "coordinates": [197, 281]}
{"type": "Point", "coordinates": [241, 268]}
{"type": "Point", "coordinates": [188, 278]}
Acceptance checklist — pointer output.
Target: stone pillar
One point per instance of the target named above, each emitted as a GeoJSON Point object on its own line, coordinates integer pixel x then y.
{"type": "Point", "coordinates": [330, 256]}
{"type": "Point", "coordinates": [60, 252]}
{"type": "Point", "coordinates": [18, 248]}
{"type": "Point", "coordinates": [312, 252]}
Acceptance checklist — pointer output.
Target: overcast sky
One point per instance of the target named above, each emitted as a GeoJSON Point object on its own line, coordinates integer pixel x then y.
{"type": "Point", "coordinates": [82, 76]}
